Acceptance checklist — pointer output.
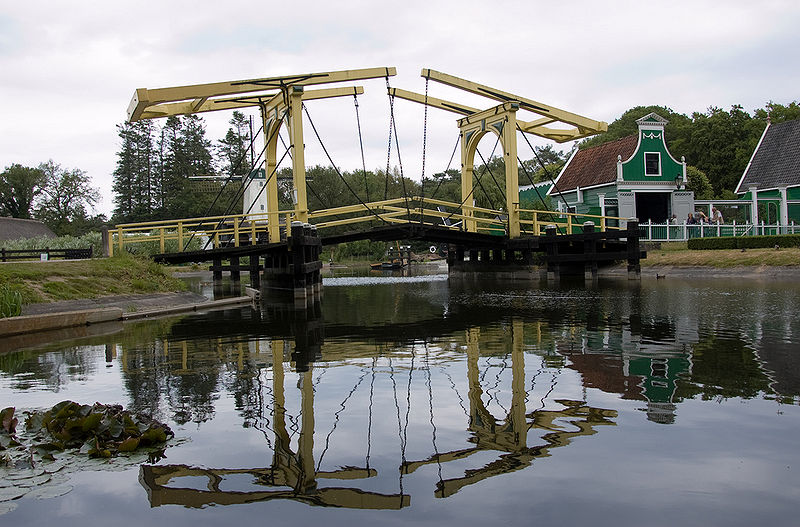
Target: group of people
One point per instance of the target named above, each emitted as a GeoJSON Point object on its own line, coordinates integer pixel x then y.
{"type": "Point", "coordinates": [699, 217]}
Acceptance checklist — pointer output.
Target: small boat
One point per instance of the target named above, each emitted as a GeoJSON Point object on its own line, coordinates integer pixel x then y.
{"type": "Point", "coordinates": [381, 266]}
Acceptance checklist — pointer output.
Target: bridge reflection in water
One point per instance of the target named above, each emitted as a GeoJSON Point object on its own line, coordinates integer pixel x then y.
{"type": "Point", "coordinates": [293, 474]}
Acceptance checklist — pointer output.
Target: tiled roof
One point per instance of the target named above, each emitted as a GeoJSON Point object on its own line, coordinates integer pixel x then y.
{"type": "Point", "coordinates": [14, 229]}
{"type": "Point", "coordinates": [596, 165]}
{"type": "Point", "coordinates": [776, 162]}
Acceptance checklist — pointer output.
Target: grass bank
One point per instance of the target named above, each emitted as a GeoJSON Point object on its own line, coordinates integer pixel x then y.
{"type": "Point", "coordinates": [69, 280]}
{"type": "Point", "coordinates": [676, 254]}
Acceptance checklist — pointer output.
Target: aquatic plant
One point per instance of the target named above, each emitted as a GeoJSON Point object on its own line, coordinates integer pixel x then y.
{"type": "Point", "coordinates": [10, 302]}
{"type": "Point", "coordinates": [36, 459]}
{"type": "Point", "coordinates": [97, 430]}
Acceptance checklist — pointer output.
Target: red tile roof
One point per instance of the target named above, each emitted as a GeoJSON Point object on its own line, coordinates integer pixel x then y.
{"type": "Point", "coordinates": [596, 165]}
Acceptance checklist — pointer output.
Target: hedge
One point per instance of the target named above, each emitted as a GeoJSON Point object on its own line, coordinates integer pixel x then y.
{"type": "Point", "coordinates": [745, 242]}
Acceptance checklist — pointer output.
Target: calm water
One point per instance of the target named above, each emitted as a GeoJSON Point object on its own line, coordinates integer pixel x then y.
{"type": "Point", "coordinates": [419, 400]}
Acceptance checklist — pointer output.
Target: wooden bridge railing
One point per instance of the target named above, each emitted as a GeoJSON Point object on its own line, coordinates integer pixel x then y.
{"type": "Point", "coordinates": [237, 229]}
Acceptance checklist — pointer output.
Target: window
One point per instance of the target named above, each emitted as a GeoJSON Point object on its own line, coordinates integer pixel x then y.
{"type": "Point", "coordinates": [652, 164]}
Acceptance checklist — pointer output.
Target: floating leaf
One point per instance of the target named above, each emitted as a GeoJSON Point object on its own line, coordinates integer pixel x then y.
{"type": "Point", "coordinates": [154, 435]}
{"type": "Point", "coordinates": [11, 493]}
{"type": "Point", "coordinates": [92, 421]}
{"type": "Point", "coordinates": [34, 421]}
{"type": "Point", "coordinates": [18, 475]}
{"type": "Point", "coordinates": [115, 428]}
{"type": "Point", "coordinates": [7, 420]}
{"type": "Point", "coordinates": [49, 491]}
{"type": "Point", "coordinates": [34, 481]}
{"type": "Point", "coordinates": [129, 445]}
{"type": "Point", "coordinates": [7, 506]}
{"type": "Point", "coordinates": [130, 427]}
{"type": "Point", "coordinates": [64, 410]}
{"type": "Point", "coordinates": [7, 442]}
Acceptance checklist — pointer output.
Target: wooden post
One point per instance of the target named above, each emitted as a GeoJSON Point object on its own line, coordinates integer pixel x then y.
{"type": "Point", "coordinates": [235, 275]}
{"type": "Point", "coordinates": [255, 269]}
{"type": "Point", "coordinates": [589, 252]}
{"type": "Point", "coordinates": [216, 268]}
{"type": "Point", "coordinates": [553, 269]}
{"type": "Point", "coordinates": [634, 269]}
{"type": "Point", "coordinates": [108, 247]}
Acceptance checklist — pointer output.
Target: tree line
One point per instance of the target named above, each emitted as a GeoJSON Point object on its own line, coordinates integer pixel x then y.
{"type": "Point", "coordinates": [59, 197]}
{"type": "Point", "coordinates": [170, 171]}
{"type": "Point", "coordinates": [157, 168]}
{"type": "Point", "coordinates": [174, 170]}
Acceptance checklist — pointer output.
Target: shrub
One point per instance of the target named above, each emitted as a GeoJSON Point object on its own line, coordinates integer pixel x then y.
{"type": "Point", "coordinates": [91, 239]}
{"type": "Point", "coordinates": [745, 242]}
{"type": "Point", "coordinates": [712, 243]}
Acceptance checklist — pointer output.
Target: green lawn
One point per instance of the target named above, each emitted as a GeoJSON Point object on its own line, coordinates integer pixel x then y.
{"type": "Point", "coordinates": [676, 254]}
{"type": "Point", "coordinates": [54, 280]}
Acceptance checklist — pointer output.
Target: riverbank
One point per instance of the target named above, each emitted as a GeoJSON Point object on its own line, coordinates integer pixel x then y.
{"type": "Point", "coordinates": [52, 281]}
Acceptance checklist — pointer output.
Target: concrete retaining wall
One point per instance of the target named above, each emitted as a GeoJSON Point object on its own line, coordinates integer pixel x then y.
{"type": "Point", "coordinates": [66, 319]}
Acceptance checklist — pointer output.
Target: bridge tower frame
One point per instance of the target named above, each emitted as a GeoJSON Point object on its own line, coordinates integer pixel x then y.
{"type": "Point", "coordinates": [502, 121]}
{"type": "Point", "coordinates": [280, 100]}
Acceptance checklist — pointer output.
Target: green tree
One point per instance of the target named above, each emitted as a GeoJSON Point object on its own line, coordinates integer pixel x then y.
{"type": "Point", "coordinates": [721, 143]}
{"type": "Point", "coordinates": [698, 183]}
{"type": "Point", "coordinates": [19, 187]}
{"type": "Point", "coordinates": [136, 175]}
{"type": "Point", "coordinates": [186, 153]}
{"type": "Point", "coordinates": [65, 197]}
{"type": "Point", "coordinates": [234, 147]}
{"type": "Point", "coordinates": [625, 125]}
{"type": "Point", "coordinates": [778, 113]}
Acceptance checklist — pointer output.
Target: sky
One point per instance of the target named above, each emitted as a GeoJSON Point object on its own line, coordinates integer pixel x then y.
{"type": "Point", "coordinates": [68, 69]}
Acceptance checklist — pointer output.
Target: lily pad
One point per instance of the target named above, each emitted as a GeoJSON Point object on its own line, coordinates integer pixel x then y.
{"type": "Point", "coordinates": [19, 475]}
{"type": "Point", "coordinates": [8, 422]}
{"type": "Point", "coordinates": [34, 481]}
{"type": "Point", "coordinates": [49, 491]}
{"type": "Point", "coordinates": [37, 461]}
{"type": "Point", "coordinates": [11, 493]}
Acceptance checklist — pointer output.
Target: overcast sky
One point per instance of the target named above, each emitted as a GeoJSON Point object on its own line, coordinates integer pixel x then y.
{"type": "Point", "coordinates": [68, 69]}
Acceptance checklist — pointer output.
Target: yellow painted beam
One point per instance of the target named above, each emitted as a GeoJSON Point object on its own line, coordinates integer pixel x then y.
{"type": "Point", "coordinates": [495, 111]}
{"type": "Point", "coordinates": [583, 123]}
{"type": "Point", "coordinates": [533, 127]}
{"type": "Point", "coordinates": [442, 104]}
{"type": "Point", "coordinates": [268, 101]}
{"type": "Point", "coordinates": [144, 98]}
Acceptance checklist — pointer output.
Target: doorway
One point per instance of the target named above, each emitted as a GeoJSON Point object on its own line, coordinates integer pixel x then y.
{"type": "Point", "coordinates": [653, 206]}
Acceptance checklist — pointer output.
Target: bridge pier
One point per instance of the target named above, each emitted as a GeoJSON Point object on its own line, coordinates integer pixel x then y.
{"type": "Point", "coordinates": [560, 255]}
{"type": "Point", "coordinates": [296, 267]}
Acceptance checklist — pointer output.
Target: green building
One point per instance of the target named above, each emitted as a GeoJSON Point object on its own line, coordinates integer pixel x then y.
{"type": "Point", "coordinates": [632, 177]}
{"type": "Point", "coordinates": [771, 181]}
